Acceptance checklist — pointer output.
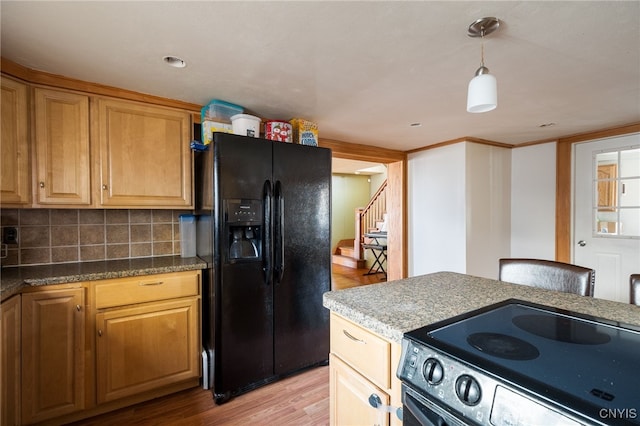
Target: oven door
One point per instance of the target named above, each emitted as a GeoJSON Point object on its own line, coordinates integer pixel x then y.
{"type": "Point", "coordinates": [418, 410]}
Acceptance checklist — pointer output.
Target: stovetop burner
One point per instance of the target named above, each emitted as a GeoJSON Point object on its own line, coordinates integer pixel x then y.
{"type": "Point", "coordinates": [503, 346]}
{"type": "Point", "coordinates": [561, 329]}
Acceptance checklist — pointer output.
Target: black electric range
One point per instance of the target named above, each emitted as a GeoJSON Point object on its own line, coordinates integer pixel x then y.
{"type": "Point", "coordinates": [518, 363]}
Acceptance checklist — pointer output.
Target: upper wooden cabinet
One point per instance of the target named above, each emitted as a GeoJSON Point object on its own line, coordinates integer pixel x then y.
{"type": "Point", "coordinates": [61, 129]}
{"type": "Point", "coordinates": [71, 148]}
{"type": "Point", "coordinates": [143, 154]}
{"type": "Point", "coordinates": [15, 170]}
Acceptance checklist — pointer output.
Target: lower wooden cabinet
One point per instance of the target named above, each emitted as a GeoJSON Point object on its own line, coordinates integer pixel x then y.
{"type": "Point", "coordinates": [144, 347]}
{"type": "Point", "coordinates": [350, 394]}
{"type": "Point", "coordinates": [53, 327]}
{"type": "Point", "coordinates": [74, 350]}
{"type": "Point", "coordinates": [147, 333]}
{"type": "Point", "coordinates": [10, 361]}
{"type": "Point", "coordinates": [362, 371]}
{"type": "Point", "coordinates": [363, 350]}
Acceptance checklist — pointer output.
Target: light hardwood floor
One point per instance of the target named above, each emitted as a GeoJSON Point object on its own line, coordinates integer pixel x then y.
{"type": "Point", "coordinates": [299, 400]}
{"type": "Point", "coordinates": [343, 277]}
{"type": "Point", "coordinates": [302, 399]}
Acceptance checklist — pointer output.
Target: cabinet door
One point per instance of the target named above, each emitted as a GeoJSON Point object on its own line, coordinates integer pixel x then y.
{"type": "Point", "coordinates": [62, 148]}
{"type": "Point", "coordinates": [10, 362]}
{"type": "Point", "coordinates": [145, 347]}
{"type": "Point", "coordinates": [145, 159]}
{"type": "Point", "coordinates": [350, 393]}
{"type": "Point", "coordinates": [53, 324]}
{"type": "Point", "coordinates": [15, 170]}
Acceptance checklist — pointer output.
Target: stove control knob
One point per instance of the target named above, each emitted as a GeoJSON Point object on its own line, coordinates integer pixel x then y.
{"type": "Point", "coordinates": [468, 390]}
{"type": "Point", "coordinates": [433, 371]}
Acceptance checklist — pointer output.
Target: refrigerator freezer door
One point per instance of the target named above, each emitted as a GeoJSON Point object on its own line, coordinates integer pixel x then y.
{"type": "Point", "coordinates": [301, 323]}
{"type": "Point", "coordinates": [243, 318]}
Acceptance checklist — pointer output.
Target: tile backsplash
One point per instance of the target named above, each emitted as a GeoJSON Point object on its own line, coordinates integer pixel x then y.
{"type": "Point", "coordinates": [73, 235]}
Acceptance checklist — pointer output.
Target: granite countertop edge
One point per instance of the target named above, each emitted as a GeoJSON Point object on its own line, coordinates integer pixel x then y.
{"type": "Point", "coordinates": [14, 279]}
{"type": "Point", "coordinates": [390, 309]}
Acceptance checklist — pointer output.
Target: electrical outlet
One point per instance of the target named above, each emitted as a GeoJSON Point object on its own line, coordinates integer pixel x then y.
{"type": "Point", "coordinates": [9, 235]}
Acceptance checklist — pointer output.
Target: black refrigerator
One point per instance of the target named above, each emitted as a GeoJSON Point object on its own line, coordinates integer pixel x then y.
{"type": "Point", "coordinates": [264, 215]}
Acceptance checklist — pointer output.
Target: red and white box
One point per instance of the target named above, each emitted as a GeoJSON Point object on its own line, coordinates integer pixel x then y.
{"type": "Point", "coordinates": [276, 130]}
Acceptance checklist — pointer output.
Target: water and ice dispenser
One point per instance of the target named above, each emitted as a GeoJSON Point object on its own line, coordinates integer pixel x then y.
{"type": "Point", "coordinates": [243, 228]}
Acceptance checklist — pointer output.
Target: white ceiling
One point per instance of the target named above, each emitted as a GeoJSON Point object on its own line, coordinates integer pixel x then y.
{"type": "Point", "coordinates": [364, 71]}
{"type": "Point", "coordinates": [345, 166]}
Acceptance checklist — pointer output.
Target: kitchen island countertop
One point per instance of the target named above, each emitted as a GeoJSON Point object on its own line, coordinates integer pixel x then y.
{"type": "Point", "coordinates": [395, 307]}
{"type": "Point", "coordinates": [13, 279]}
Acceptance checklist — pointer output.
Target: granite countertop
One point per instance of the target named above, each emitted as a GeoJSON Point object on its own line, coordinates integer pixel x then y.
{"type": "Point", "coordinates": [13, 279]}
{"type": "Point", "coordinates": [390, 309]}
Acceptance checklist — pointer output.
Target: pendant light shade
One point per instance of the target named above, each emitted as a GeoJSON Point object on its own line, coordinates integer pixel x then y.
{"type": "Point", "coordinates": [482, 95]}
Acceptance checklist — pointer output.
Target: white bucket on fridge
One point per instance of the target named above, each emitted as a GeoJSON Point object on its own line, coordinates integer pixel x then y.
{"type": "Point", "coordinates": [246, 125]}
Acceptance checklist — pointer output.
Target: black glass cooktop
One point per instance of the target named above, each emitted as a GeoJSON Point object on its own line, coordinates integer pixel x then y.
{"type": "Point", "coordinates": [550, 350]}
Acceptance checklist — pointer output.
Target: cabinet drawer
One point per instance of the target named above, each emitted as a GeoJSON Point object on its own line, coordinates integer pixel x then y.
{"type": "Point", "coordinates": [363, 350]}
{"type": "Point", "coordinates": [147, 288]}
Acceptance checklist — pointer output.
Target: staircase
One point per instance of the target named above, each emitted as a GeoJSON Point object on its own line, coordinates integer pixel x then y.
{"type": "Point", "coordinates": [345, 255]}
{"type": "Point", "coordinates": [369, 219]}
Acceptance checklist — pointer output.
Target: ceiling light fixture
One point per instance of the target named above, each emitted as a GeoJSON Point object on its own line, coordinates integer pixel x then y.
{"type": "Point", "coordinates": [483, 89]}
{"type": "Point", "coordinates": [174, 61]}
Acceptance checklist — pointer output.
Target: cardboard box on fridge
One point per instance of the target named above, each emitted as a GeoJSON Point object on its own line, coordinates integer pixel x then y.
{"type": "Point", "coordinates": [305, 132]}
{"type": "Point", "coordinates": [208, 127]}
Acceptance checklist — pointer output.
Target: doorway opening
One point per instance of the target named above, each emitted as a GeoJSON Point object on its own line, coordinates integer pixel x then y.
{"type": "Point", "coordinates": [359, 208]}
{"type": "Point", "coordinates": [395, 162]}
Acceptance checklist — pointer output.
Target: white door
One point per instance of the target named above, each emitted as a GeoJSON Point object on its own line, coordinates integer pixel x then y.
{"type": "Point", "coordinates": [606, 212]}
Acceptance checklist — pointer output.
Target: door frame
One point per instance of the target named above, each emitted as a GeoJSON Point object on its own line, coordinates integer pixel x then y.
{"type": "Point", "coordinates": [564, 184]}
{"type": "Point", "coordinates": [396, 162]}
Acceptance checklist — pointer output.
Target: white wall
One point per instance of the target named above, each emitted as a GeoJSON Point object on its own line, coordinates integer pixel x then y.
{"type": "Point", "coordinates": [459, 199]}
{"type": "Point", "coordinates": [533, 201]}
{"type": "Point", "coordinates": [488, 194]}
{"type": "Point", "coordinates": [436, 210]}
{"type": "Point", "coordinates": [470, 204]}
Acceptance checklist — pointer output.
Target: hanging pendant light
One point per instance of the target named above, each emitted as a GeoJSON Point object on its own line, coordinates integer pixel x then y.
{"type": "Point", "coordinates": [483, 88]}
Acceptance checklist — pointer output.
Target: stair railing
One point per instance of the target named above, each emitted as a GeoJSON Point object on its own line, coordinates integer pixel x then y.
{"type": "Point", "coordinates": [367, 217]}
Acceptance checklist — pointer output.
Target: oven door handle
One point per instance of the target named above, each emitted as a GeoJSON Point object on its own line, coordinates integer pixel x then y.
{"type": "Point", "coordinates": [428, 418]}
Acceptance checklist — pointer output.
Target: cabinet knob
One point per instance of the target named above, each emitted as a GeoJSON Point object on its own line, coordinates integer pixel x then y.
{"type": "Point", "coordinates": [376, 402]}
{"type": "Point", "coordinates": [41, 184]}
{"type": "Point", "coordinates": [100, 333]}
{"type": "Point", "coordinates": [78, 308]}
{"type": "Point", "coordinates": [105, 187]}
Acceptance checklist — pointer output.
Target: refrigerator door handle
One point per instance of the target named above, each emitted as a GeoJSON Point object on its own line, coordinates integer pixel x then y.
{"type": "Point", "coordinates": [266, 241]}
{"type": "Point", "coordinates": [278, 218]}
